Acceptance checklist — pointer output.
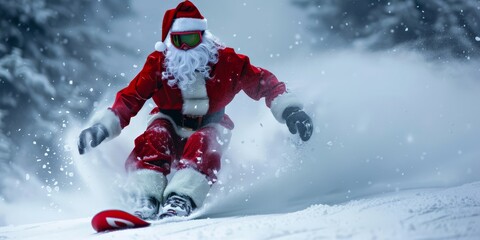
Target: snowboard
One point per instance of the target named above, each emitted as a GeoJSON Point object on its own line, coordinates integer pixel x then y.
{"type": "Point", "coordinates": [111, 220]}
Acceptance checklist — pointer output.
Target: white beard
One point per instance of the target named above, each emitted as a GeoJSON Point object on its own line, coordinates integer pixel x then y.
{"type": "Point", "coordinates": [181, 66]}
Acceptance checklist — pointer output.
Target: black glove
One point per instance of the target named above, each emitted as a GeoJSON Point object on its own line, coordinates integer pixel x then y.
{"type": "Point", "coordinates": [92, 136]}
{"type": "Point", "coordinates": [298, 121]}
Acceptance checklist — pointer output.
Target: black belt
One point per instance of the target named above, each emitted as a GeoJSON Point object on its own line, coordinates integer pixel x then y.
{"type": "Point", "coordinates": [193, 122]}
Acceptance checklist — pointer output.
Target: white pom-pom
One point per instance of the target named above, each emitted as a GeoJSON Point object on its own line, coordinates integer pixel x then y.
{"type": "Point", "coordinates": [160, 46]}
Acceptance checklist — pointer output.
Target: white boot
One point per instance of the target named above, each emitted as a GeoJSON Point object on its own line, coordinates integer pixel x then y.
{"type": "Point", "coordinates": [145, 192]}
{"type": "Point", "coordinates": [146, 207]}
{"type": "Point", "coordinates": [186, 191]}
{"type": "Point", "coordinates": [177, 205]}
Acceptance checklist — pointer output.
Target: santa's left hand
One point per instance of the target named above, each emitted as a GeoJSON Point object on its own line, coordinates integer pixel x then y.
{"type": "Point", "coordinates": [298, 121]}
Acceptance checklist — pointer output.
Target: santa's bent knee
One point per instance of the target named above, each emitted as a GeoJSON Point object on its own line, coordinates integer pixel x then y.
{"type": "Point", "coordinates": [154, 149]}
{"type": "Point", "coordinates": [158, 135]}
{"type": "Point", "coordinates": [203, 152]}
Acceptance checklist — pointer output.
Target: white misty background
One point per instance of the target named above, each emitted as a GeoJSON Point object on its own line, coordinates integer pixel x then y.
{"type": "Point", "coordinates": [395, 105]}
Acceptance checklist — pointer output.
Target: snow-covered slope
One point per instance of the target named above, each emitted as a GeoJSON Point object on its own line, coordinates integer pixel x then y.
{"type": "Point", "coordinates": [386, 122]}
{"type": "Point", "coordinates": [449, 213]}
{"type": "Point", "coordinates": [392, 122]}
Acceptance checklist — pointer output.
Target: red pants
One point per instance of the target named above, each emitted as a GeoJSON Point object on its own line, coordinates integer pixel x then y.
{"type": "Point", "coordinates": [159, 148]}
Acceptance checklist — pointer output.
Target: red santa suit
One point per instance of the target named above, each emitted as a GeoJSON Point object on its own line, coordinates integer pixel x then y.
{"type": "Point", "coordinates": [166, 139]}
{"type": "Point", "coordinates": [188, 128]}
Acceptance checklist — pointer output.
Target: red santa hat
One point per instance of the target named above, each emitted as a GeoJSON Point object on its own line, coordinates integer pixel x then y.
{"type": "Point", "coordinates": [185, 17]}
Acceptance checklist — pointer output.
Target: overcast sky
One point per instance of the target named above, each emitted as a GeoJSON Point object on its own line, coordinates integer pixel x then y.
{"type": "Point", "coordinates": [268, 31]}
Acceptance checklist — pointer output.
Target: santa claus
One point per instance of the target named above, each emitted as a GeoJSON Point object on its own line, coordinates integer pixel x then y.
{"type": "Point", "coordinates": [191, 77]}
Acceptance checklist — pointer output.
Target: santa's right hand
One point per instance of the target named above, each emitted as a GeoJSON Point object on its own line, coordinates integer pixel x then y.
{"type": "Point", "coordinates": [91, 137]}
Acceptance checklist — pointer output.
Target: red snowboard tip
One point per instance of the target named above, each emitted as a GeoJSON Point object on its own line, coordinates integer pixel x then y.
{"type": "Point", "coordinates": [109, 220]}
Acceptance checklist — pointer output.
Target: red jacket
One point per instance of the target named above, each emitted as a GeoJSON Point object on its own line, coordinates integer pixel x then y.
{"type": "Point", "coordinates": [230, 75]}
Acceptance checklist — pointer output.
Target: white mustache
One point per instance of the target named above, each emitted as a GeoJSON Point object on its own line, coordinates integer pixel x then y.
{"type": "Point", "coordinates": [181, 66]}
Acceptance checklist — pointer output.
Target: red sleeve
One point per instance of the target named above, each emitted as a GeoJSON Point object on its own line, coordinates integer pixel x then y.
{"type": "Point", "coordinates": [130, 100]}
{"type": "Point", "coordinates": [258, 82]}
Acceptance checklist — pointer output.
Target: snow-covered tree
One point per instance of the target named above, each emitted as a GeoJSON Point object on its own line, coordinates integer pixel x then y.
{"type": "Point", "coordinates": [51, 71]}
{"type": "Point", "coordinates": [442, 27]}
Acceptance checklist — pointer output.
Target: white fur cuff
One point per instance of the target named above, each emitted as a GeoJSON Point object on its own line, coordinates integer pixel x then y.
{"type": "Point", "coordinates": [282, 102]}
{"type": "Point", "coordinates": [191, 183]}
{"type": "Point", "coordinates": [146, 182]}
{"type": "Point", "coordinates": [108, 119]}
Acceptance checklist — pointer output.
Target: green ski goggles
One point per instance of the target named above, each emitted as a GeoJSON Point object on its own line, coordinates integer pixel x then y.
{"type": "Point", "coordinates": [186, 40]}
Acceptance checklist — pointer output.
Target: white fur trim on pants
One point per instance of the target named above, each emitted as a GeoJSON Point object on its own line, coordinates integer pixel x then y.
{"type": "Point", "coordinates": [191, 183]}
{"type": "Point", "coordinates": [108, 119]}
{"type": "Point", "coordinates": [145, 182]}
{"type": "Point", "coordinates": [282, 102]}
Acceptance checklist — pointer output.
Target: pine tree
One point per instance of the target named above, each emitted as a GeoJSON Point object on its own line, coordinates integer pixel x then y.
{"type": "Point", "coordinates": [440, 27]}
{"type": "Point", "coordinates": [51, 71]}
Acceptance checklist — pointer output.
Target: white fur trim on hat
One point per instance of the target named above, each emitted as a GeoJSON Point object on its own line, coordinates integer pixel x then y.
{"type": "Point", "coordinates": [282, 102]}
{"type": "Point", "coordinates": [111, 122]}
{"type": "Point", "coordinates": [189, 24]}
{"type": "Point", "coordinates": [145, 182]}
{"type": "Point", "coordinates": [191, 183]}
{"type": "Point", "coordinates": [160, 46]}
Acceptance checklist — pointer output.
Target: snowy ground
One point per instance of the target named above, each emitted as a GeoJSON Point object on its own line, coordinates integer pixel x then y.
{"type": "Point", "coordinates": [448, 213]}
{"type": "Point", "coordinates": [395, 133]}
{"type": "Point", "coordinates": [392, 123]}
